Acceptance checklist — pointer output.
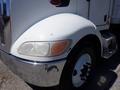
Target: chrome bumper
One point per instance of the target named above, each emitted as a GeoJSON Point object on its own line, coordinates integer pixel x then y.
{"type": "Point", "coordinates": [41, 74]}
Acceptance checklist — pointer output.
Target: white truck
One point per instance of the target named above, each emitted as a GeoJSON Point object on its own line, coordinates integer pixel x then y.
{"type": "Point", "coordinates": [56, 42]}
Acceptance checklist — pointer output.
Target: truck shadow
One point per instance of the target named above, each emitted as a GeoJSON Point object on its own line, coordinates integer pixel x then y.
{"type": "Point", "coordinates": [105, 75]}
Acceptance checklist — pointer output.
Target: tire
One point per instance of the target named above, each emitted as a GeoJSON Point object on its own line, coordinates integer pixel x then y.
{"type": "Point", "coordinates": [84, 59]}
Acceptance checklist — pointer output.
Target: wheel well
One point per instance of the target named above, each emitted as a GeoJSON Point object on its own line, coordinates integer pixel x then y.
{"type": "Point", "coordinates": [92, 39]}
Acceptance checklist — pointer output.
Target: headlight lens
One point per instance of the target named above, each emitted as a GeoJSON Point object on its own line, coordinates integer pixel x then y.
{"type": "Point", "coordinates": [37, 49]}
{"type": "Point", "coordinates": [34, 49]}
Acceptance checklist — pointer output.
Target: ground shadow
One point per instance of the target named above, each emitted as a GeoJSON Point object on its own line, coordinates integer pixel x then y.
{"type": "Point", "coordinates": [104, 76]}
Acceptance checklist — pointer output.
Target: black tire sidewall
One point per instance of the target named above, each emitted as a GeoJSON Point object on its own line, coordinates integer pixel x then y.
{"type": "Point", "coordinates": [66, 78]}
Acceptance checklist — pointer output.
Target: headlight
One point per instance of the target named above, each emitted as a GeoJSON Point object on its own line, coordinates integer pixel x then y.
{"type": "Point", "coordinates": [37, 49]}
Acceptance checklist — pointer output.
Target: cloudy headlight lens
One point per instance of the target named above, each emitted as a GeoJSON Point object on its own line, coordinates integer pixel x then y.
{"type": "Point", "coordinates": [37, 49]}
{"type": "Point", "coordinates": [34, 49]}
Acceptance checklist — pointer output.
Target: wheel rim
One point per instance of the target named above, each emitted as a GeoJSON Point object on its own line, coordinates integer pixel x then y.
{"type": "Point", "coordinates": [81, 70]}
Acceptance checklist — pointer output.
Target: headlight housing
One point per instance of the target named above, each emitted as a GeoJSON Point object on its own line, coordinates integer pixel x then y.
{"type": "Point", "coordinates": [38, 49]}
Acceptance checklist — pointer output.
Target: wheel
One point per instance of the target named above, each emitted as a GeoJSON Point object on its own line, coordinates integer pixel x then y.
{"type": "Point", "coordinates": [78, 68]}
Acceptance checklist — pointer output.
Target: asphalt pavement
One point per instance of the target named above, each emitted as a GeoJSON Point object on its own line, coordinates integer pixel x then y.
{"type": "Point", "coordinates": [9, 81]}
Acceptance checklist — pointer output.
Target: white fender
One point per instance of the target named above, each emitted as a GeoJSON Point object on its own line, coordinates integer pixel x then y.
{"type": "Point", "coordinates": [57, 27]}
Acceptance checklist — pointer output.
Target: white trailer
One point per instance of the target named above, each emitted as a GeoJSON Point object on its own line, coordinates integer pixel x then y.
{"type": "Point", "coordinates": [56, 42]}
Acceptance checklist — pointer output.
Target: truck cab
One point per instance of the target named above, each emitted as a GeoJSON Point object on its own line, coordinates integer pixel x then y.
{"type": "Point", "coordinates": [46, 41]}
